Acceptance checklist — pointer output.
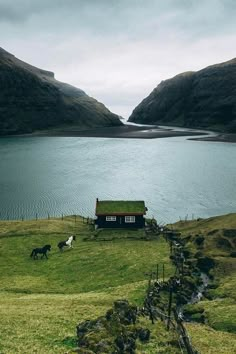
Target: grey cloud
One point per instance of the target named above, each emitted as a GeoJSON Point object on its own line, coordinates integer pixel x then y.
{"type": "Point", "coordinates": [132, 19]}
{"type": "Point", "coordinates": [118, 50]}
{"type": "Point", "coordinates": [8, 13]}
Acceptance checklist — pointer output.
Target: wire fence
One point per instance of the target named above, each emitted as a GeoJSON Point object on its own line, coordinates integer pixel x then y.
{"type": "Point", "coordinates": [13, 216]}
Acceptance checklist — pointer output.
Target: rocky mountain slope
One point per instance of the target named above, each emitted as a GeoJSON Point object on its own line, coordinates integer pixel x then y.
{"type": "Point", "coordinates": [32, 99]}
{"type": "Point", "coordinates": [203, 99]}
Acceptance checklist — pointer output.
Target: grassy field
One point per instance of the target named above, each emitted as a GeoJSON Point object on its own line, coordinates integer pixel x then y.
{"type": "Point", "coordinates": [42, 301]}
{"type": "Point", "coordinates": [219, 304]}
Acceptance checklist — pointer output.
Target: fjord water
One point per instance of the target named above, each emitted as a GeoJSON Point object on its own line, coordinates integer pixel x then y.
{"type": "Point", "coordinates": [176, 177]}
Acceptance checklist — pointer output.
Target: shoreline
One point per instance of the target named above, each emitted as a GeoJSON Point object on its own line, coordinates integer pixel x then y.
{"type": "Point", "coordinates": [125, 131]}
{"type": "Point", "coordinates": [131, 131]}
{"type": "Point", "coordinates": [223, 138]}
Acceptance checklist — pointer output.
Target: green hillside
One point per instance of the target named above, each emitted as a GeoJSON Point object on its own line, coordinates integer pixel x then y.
{"type": "Point", "coordinates": [32, 100]}
{"type": "Point", "coordinates": [42, 301]}
{"type": "Point", "coordinates": [202, 99]}
{"type": "Point", "coordinates": [212, 242]}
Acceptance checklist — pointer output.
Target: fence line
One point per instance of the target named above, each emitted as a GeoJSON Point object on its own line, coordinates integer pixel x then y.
{"type": "Point", "coordinates": [172, 322]}
{"type": "Point", "coordinates": [151, 301]}
{"type": "Point", "coordinates": [38, 216]}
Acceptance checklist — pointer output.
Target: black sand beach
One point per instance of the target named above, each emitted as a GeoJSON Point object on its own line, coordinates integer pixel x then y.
{"type": "Point", "coordinates": [125, 131]}
{"type": "Point", "coordinates": [132, 131]}
{"type": "Point", "coordinates": [224, 138]}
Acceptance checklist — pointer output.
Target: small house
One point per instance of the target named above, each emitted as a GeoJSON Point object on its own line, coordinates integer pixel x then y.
{"type": "Point", "coordinates": [120, 214]}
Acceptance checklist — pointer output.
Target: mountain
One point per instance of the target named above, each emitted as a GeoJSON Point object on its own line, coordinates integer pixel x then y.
{"type": "Point", "coordinates": [203, 99]}
{"type": "Point", "coordinates": [32, 99]}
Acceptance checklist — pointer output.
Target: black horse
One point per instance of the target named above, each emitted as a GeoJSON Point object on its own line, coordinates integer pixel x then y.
{"type": "Point", "coordinates": [42, 251]}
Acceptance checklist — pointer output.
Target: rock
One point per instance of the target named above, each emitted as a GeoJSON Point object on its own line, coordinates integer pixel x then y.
{"type": "Point", "coordinates": [198, 317]}
{"type": "Point", "coordinates": [116, 332]}
{"type": "Point", "coordinates": [224, 243]}
{"type": "Point", "coordinates": [109, 314]}
{"type": "Point", "coordinates": [89, 325]}
{"type": "Point", "coordinates": [127, 314]}
{"type": "Point", "coordinates": [186, 253]}
{"type": "Point", "coordinates": [200, 240]}
{"type": "Point", "coordinates": [125, 343]}
{"type": "Point", "coordinates": [205, 264]}
{"type": "Point", "coordinates": [230, 233]}
{"type": "Point", "coordinates": [143, 334]}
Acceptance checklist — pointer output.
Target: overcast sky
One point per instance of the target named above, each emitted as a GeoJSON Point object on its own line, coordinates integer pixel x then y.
{"type": "Point", "coordinates": [119, 50]}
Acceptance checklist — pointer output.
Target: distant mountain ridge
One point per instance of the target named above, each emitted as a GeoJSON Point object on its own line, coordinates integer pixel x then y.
{"type": "Point", "coordinates": [31, 99]}
{"type": "Point", "coordinates": [203, 99]}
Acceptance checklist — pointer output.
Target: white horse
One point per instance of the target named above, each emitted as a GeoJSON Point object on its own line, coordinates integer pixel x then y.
{"type": "Point", "coordinates": [66, 243]}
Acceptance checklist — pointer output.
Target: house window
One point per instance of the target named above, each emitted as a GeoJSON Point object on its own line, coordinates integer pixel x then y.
{"type": "Point", "coordinates": [110, 218]}
{"type": "Point", "coordinates": [130, 219]}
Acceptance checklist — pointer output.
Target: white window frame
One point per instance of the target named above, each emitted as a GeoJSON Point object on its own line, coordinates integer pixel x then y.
{"type": "Point", "coordinates": [110, 218]}
{"type": "Point", "coordinates": [130, 219]}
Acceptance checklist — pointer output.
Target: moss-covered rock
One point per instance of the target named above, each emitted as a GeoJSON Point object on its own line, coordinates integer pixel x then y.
{"type": "Point", "coordinates": [205, 263]}
{"type": "Point", "coordinates": [199, 240]}
{"type": "Point", "coordinates": [198, 317]}
{"type": "Point", "coordinates": [116, 332]}
{"type": "Point", "coordinates": [191, 309]}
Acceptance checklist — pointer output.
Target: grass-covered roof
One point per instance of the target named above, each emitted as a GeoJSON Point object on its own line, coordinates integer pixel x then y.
{"type": "Point", "coordinates": [116, 207]}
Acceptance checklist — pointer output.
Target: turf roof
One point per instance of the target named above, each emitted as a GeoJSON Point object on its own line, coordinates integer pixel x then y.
{"type": "Point", "coordinates": [109, 207]}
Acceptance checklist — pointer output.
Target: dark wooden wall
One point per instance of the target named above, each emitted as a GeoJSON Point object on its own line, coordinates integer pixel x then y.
{"type": "Point", "coordinates": [120, 223]}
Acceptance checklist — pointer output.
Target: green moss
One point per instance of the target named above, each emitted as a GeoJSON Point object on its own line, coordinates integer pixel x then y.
{"type": "Point", "coordinates": [191, 309]}
{"type": "Point", "coordinates": [109, 207]}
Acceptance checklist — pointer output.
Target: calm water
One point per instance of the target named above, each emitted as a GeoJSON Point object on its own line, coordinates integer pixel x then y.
{"type": "Point", "coordinates": [175, 177]}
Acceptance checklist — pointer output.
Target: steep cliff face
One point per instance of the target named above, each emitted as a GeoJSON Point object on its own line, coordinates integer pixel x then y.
{"type": "Point", "coordinates": [203, 99]}
{"type": "Point", "coordinates": [31, 99]}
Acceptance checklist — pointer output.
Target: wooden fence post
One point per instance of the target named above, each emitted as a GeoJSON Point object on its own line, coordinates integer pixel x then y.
{"type": "Point", "coordinates": [149, 283]}
{"type": "Point", "coordinates": [169, 307]}
{"type": "Point", "coordinates": [184, 334]}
